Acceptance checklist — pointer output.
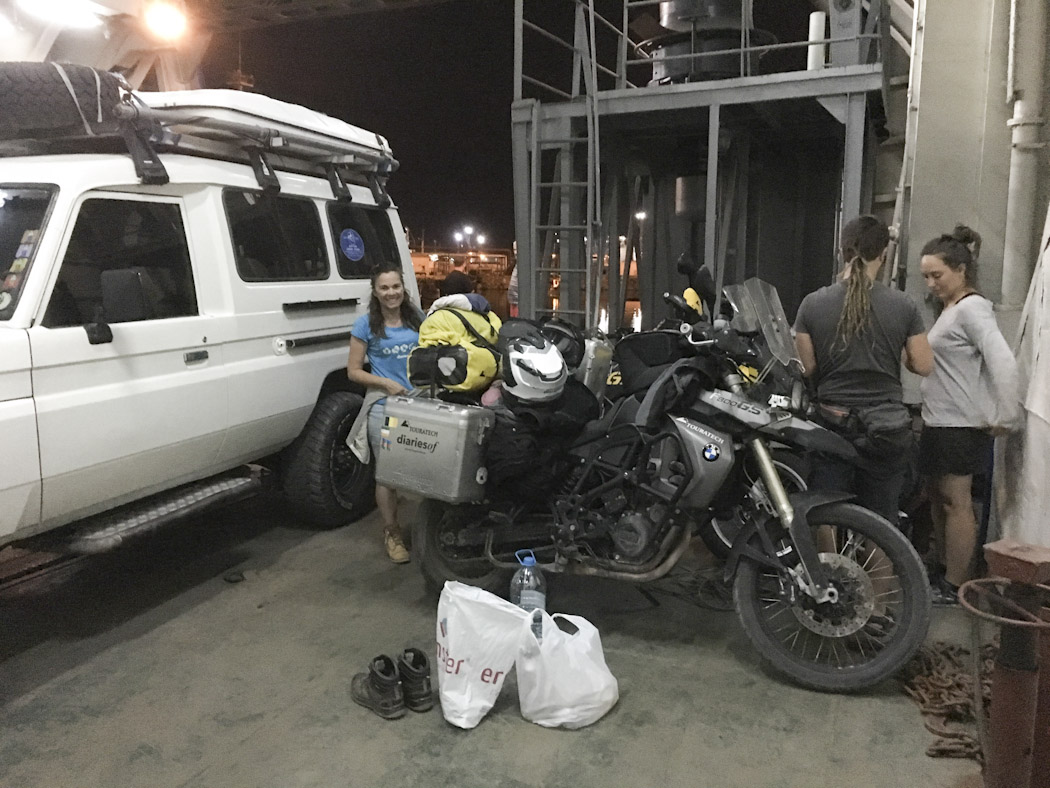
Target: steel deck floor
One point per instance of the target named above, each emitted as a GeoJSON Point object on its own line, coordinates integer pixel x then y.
{"type": "Point", "coordinates": [145, 667]}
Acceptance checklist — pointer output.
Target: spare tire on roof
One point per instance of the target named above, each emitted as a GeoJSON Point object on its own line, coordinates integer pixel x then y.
{"type": "Point", "coordinates": [46, 100]}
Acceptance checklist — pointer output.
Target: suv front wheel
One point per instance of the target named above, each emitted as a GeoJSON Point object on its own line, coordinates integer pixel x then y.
{"type": "Point", "coordinates": [321, 477]}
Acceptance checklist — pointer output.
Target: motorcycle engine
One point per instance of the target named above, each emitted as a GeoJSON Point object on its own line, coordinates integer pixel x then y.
{"type": "Point", "coordinates": [633, 533]}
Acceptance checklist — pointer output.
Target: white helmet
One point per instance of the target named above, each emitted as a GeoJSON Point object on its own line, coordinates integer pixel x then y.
{"type": "Point", "coordinates": [533, 369]}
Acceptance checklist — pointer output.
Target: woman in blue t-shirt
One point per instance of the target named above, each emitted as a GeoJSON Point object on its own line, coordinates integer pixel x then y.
{"type": "Point", "coordinates": [385, 336]}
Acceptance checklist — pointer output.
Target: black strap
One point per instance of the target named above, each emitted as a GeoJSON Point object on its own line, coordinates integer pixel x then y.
{"type": "Point", "coordinates": [481, 341]}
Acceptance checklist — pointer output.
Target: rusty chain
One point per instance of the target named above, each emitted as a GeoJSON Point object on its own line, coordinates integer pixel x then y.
{"type": "Point", "coordinates": [939, 680]}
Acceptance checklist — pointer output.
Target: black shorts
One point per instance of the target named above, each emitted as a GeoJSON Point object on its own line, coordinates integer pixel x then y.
{"type": "Point", "coordinates": [960, 451]}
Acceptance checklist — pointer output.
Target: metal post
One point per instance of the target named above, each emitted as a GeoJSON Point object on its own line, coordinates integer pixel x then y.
{"type": "Point", "coordinates": [519, 17]}
{"type": "Point", "coordinates": [621, 55]}
{"type": "Point", "coordinates": [740, 210]}
{"type": "Point", "coordinates": [710, 212]}
{"type": "Point", "coordinates": [853, 157]}
{"type": "Point", "coordinates": [1041, 738]}
{"type": "Point", "coordinates": [1015, 679]}
{"type": "Point", "coordinates": [613, 292]}
{"type": "Point", "coordinates": [528, 297]}
{"type": "Point", "coordinates": [1025, 152]}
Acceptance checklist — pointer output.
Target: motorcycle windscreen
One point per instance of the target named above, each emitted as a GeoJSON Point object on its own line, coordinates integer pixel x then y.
{"type": "Point", "coordinates": [758, 308]}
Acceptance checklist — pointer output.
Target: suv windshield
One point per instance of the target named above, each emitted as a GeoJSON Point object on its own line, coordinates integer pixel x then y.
{"type": "Point", "coordinates": [23, 210]}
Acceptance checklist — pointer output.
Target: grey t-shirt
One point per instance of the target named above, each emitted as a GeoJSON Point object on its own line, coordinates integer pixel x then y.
{"type": "Point", "coordinates": [974, 382]}
{"type": "Point", "coordinates": [868, 369]}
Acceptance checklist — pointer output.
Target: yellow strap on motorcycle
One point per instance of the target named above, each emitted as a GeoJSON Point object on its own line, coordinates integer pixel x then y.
{"type": "Point", "coordinates": [750, 374]}
{"type": "Point", "coordinates": [693, 299]}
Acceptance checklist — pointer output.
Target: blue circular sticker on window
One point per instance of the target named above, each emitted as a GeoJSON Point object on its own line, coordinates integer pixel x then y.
{"type": "Point", "coordinates": [352, 244]}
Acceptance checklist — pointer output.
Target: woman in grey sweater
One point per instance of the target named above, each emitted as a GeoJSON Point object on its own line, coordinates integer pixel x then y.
{"type": "Point", "coordinates": [972, 395]}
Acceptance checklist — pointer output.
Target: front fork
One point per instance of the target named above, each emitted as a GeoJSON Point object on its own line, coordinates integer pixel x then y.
{"type": "Point", "coordinates": [812, 579]}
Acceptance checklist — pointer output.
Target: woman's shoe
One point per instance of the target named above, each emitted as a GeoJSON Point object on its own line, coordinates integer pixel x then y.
{"type": "Point", "coordinates": [395, 548]}
{"type": "Point", "coordinates": [944, 593]}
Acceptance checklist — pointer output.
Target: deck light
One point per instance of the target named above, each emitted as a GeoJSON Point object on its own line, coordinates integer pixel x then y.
{"type": "Point", "coordinates": [165, 20]}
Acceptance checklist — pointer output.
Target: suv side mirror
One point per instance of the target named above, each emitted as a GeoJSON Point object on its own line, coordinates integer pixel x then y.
{"type": "Point", "coordinates": [98, 332]}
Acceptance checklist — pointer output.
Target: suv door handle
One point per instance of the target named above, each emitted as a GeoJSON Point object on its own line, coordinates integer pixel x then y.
{"type": "Point", "coordinates": [195, 355]}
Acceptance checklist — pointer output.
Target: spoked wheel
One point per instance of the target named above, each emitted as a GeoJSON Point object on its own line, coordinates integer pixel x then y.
{"type": "Point", "coordinates": [719, 533]}
{"type": "Point", "coordinates": [449, 544]}
{"type": "Point", "coordinates": [874, 627]}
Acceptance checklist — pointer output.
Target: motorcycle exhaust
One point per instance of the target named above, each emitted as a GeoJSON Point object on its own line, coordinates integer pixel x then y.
{"type": "Point", "coordinates": [652, 570]}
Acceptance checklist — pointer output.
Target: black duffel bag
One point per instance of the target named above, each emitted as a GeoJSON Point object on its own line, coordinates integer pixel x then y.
{"type": "Point", "coordinates": [49, 100]}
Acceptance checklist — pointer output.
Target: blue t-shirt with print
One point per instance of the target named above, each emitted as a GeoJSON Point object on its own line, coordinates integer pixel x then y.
{"type": "Point", "coordinates": [387, 355]}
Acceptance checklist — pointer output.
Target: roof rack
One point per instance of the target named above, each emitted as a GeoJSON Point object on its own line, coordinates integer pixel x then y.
{"type": "Point", "coordinates": [212, 129]}
{"type": "Point", "coordinates": [226, 124]}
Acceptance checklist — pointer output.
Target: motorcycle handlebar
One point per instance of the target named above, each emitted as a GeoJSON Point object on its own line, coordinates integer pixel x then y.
{"type": "Point", "coordinates": [720, 337]}
{"type": "Point", "coordinates": [680, 306]}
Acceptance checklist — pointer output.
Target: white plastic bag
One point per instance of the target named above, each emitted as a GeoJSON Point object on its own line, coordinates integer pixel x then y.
{"type": "Point", "coordinates": [477, 640]}
{"type": "Point", "coordinates": [564, 680]}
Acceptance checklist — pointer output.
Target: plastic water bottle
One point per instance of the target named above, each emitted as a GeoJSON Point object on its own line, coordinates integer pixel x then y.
{"type": "Point", "coordinates": [528, 589]}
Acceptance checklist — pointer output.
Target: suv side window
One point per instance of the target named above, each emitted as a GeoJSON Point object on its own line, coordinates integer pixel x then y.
{"type": "Point", "coordinates": [112, 234]}
{"type": "Point", "coordinates": [275, 238]}
{"type": "Point", "coordinates": [363, 238]}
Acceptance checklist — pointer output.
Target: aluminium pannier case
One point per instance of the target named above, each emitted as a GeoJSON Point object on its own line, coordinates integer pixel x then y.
{"type": "Point", "coordinates": [435, 449]}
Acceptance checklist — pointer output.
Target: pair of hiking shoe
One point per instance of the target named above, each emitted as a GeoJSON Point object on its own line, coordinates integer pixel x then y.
{"type": "Point", "coordinates": [389, 688]}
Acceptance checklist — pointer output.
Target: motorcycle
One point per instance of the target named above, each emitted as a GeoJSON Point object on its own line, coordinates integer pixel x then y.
{"type": "Point", "coordinates": [831, 594]}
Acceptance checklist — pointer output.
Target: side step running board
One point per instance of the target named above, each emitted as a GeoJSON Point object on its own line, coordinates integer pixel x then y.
{"type": "Point", "coordinates": [106, 531]}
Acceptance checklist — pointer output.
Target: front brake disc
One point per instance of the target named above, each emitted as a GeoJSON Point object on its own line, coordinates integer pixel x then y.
{"type": "Point", "coordinates": [855, 604]}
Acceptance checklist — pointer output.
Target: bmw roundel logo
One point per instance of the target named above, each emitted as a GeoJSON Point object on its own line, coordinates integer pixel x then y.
{"type": "Point", "coordinates": [712, 452]}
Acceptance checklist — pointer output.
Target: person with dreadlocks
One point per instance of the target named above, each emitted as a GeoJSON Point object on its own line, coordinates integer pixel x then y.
{"type": "Point", "coordinates": [973, 395]}
{"type": "Point", "coordinates": [851, 338]}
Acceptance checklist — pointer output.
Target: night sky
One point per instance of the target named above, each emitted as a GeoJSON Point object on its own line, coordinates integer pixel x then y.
{"type": "Point", "coordinates": [436, 81]}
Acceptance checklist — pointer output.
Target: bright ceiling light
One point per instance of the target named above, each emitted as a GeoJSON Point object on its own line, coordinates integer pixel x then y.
{"type": "Point", "coordinates": [79, 14]}
{"type": "Point", "coordinates": [165, 20]}
{"type": "Point", "coordinates": [7, 27]}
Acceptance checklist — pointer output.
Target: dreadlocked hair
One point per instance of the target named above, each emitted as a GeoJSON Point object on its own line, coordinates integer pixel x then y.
{"type": "Point", "coordinates": [863, 239]}
{"type": "Point", "coordinates": [410, 314]}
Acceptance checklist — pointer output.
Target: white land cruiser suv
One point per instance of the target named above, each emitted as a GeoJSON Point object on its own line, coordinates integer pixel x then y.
{"type": "Point", "coordinates": [178, 277]}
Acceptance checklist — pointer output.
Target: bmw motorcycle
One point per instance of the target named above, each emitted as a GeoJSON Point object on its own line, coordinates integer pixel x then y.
{"type": "Point", "coordinates": [831, 594]}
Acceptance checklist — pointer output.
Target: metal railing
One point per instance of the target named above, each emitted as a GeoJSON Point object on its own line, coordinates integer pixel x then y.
{"type": "Point", "coordinates": [616, 54]}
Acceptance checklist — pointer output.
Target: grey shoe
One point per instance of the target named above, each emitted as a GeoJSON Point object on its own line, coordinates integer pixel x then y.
{"type": "Point", "coordinates": [944, 593]}
{"type": "Point", "coordinates": [380, 689]}
{"type": "Point", "coordinates": [414, 668]}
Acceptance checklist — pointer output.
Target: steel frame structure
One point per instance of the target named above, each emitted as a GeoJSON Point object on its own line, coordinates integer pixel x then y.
{"type": "Point", "coordinates": [841, 88]}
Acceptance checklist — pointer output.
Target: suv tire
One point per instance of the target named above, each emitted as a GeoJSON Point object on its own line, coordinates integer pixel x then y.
{"type": "Point", "coordinates": [321, 477]}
